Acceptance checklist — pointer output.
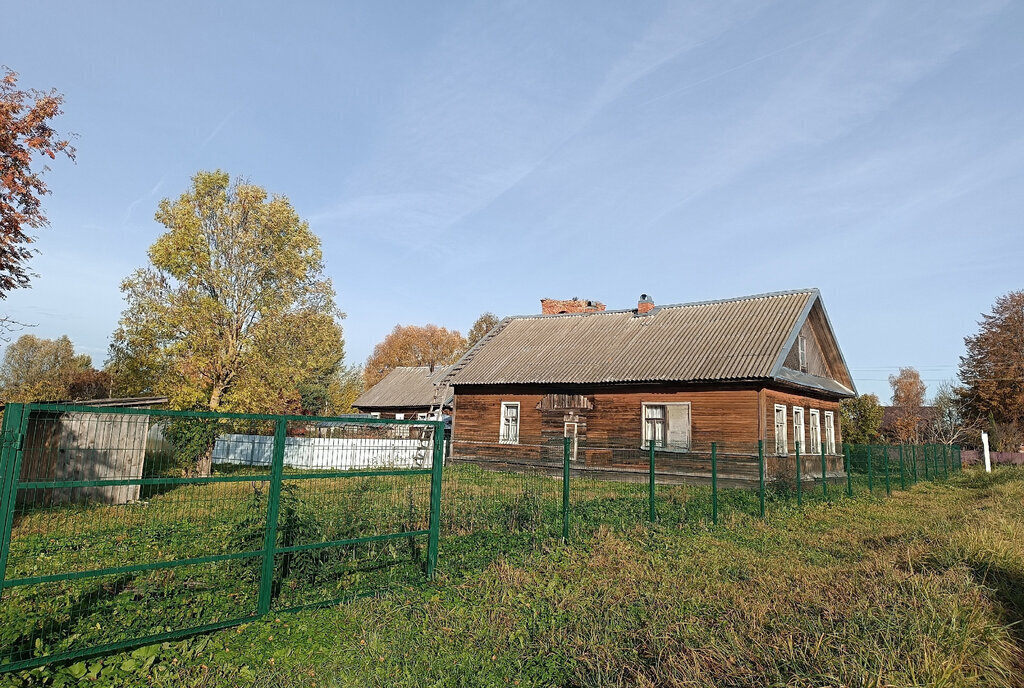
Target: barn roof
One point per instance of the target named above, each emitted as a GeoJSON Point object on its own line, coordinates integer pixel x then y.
{"type": "Point", "coordinates": [405, 387]}
{"type": "Point", "coordinates": [744, 338]}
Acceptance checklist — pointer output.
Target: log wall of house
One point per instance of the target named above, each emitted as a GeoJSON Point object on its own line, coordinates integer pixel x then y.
{"type": "Point", "coordinates": [771, 397]}
{"type": "Point", "coordinates": [610, 423]}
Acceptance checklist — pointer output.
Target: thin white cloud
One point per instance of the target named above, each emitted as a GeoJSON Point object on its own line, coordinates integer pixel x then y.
{"type": "Point", "coordinates": [127, 214]}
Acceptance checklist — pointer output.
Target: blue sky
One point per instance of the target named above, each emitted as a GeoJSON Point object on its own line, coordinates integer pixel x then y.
{"type": "Point", "coordinates": [463, 157]}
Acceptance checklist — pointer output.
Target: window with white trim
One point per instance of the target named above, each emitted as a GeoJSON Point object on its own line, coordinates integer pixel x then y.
{"type": "Point", "coordinates": [781, 444]}
{"type": "Point", "coordinates": [798, 427]}
{"type": "Point", "coordinates": [375, 414]}
{"type": "Point", "coordinates": [830, 432]}
{"type": "Point", "coordinates": [815, 422]}
{"type": "Point", "coordinates": [399, 416]}
{"type": "Point", "coordinates": [801, 347]}
{"type": "Point", "coordinates": [509, 422]}
{"type": "Point", "coordinates": [667, 425]}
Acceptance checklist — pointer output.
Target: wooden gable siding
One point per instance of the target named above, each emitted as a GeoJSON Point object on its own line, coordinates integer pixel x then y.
{"type": "Point", "coordinates": [817, 362]}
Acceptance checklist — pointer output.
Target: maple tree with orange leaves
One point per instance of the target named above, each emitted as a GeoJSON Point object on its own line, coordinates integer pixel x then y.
{"type": "Point", "coordinates": [25, 132]}
{"type": "Point", "coordinates": [412, 345]}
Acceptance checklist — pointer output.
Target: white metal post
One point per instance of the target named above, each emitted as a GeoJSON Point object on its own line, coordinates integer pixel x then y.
{"type": "Point", "coordinates": [988, 460]}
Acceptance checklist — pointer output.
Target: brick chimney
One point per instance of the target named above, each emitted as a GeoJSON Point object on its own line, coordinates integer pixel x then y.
{"type": "Point", "coordinates": [645, 305]}
{"type": "Point", "coordinates": [573, 305]}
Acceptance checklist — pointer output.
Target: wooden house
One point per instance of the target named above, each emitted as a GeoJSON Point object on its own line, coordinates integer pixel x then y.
{"type": "Point", "coordinates": [407, 393]}
{"type": "Point", "coordinates": [735, 372]}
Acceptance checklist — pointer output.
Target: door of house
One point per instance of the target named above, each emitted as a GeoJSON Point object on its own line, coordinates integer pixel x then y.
{"type": "Point", "coordinates": [570, 432]}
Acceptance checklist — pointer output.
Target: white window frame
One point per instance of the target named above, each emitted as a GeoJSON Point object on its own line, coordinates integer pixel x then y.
{"type": "Point", "coordinates": [799, 431]}
{"type": "Point", "coordinates": [830, 432]}
{"type": "Point", "coordinates": [663, 445]}
{"type": "Point", "coordinates": [814, 421]}
{"type": "Point", "coordinates": [375, 414]}
{"type": "Point", "coordinates": [801, 348]}
{"type": "Point", "coordinates": [399, 416]}
{"type": "Point", "coordinates": [645, 425]}
{"type": "Point", "coordinates": [781, 448]}
{"type": "Point", "coordinates": [503, 436]}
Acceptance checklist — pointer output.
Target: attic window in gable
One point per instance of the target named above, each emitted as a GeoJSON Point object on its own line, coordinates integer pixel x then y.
{"type": "Point", "coordinates": [802, 351]}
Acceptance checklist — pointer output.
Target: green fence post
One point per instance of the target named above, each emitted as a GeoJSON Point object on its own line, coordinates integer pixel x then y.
{"type": "Point", "coordinates": [714, 483]}
{"type": "Point", "coordinates": [903, 479]}
{"type": "Point", "coordinates": [888, 488]}
{"type": "Point", "coordinates": [945, 461]}
{"type": "Point", "coordinates": [913, 454]}
{"type": "Point", "coordinates": [959, 460]}
{"type": "Point", "coordinates": [435, 499]}
{"type": "Point", "coordinates": [799, 480]}
{"type": "Point", "coordinates": [273, 507]}
{"type": "Point", "coordinates": [565, 489]}
{"type": "Point", "coordinates": [871, 473]}
{"type": "Point", "coordinates": [650, 489]}
{"type": "Point", "coordinates": [760, 461]}
{"type": "Point", "coordinates": [924, 457]}
{"type": "Point", "coordinates": [10, 467]}
{"type": "Point", "coordinates": [846, 465]}
{"type": "Point", "coordinates": [935, 458]}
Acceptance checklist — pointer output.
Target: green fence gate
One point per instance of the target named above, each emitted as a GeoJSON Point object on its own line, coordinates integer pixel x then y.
{"type": "Point", "coordinates": [130, 526]}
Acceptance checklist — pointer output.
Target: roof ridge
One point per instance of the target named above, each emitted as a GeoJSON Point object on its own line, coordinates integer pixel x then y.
{"type": "Point", "coordinates": [709, 302]}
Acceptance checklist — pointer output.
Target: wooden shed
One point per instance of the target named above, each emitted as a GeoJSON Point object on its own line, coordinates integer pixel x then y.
{"type": "Point", "coordinates": [83, 446]}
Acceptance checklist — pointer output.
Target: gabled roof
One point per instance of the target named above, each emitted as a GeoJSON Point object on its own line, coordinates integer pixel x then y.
{"type": "Point", "coordinates": [406, 387]}
{"type": "Point", "coordinates": [746, 338]}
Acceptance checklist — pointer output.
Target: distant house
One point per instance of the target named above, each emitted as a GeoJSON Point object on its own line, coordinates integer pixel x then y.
{"type": "Point", "coordinates": [407, 392]}
{"type": "Point", "coordinates": [892, 415]}
{"type": "Point", "coordinates": [764, 367]}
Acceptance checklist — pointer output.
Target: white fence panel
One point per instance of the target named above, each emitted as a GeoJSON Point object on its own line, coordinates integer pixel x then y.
{"type": "Point", "coordinates": [321, 453]}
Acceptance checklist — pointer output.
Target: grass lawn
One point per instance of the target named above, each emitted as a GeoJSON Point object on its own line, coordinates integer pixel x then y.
{"type": "Point", "coordinates": [925, 587]}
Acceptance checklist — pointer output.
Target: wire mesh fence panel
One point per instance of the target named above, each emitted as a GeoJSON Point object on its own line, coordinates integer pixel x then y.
{"type": "Point", "coordinates": [119, 527]}
{"type": "Point", "coordinates": [499, 499]}
{"type": "Point", "coordinates": [353, 514]}
{"type": "Point", "coordinates": [124, 526]}
{"type": "Point", "coordinates": [608, 486]}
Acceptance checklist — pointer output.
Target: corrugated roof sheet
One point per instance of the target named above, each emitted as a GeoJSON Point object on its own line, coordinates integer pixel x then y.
{"type": "Point", "coordinates": [402, 387]}
{"type": "Point", "coordinates": [735, 339]}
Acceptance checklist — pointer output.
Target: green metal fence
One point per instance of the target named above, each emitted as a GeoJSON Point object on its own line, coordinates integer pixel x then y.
{"type": "Point", "coordinates": [123, 527]}
{"type": "Point", "coordinates": [510, 499]}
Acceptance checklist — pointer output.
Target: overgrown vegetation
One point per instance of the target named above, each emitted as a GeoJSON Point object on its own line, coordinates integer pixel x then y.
{"type": "Point", "coordinates": [924, 588]}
